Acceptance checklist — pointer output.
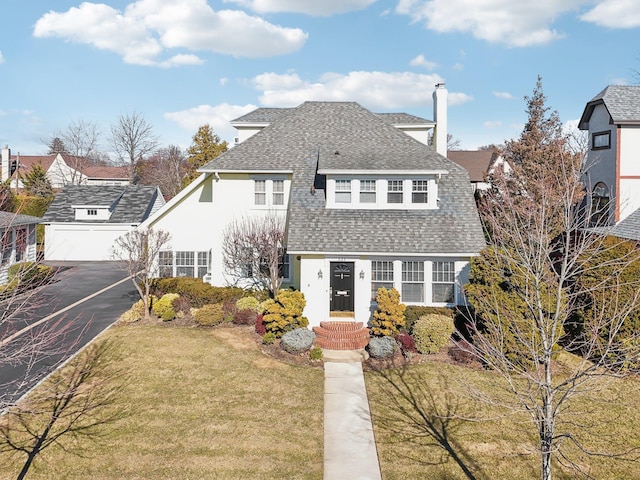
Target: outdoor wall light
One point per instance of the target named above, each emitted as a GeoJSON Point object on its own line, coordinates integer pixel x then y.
{"type": "Point", "coordinates": [361, 274]}
{"type": "Point", "coordinates": [320, 274]}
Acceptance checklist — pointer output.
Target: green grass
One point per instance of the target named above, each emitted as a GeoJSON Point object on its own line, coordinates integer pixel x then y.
{"type": "Point", "coordinates": [201, 404]}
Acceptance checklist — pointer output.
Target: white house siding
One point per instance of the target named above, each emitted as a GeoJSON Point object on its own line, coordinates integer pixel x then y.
{"type": "Point", "coordinates": [629, 170]}
{"type": "Point", "coordinates": [30, 253]}
{"type": "Point", "coordinates": [81, 241]}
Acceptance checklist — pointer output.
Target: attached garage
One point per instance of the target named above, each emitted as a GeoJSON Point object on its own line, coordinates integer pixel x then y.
{"type": "Point", "coordinates": [84, 221]}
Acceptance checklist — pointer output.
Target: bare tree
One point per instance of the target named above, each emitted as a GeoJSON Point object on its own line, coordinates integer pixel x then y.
{"type": "Point", "coordinates": [132, 140]}
{"type": "Point", "coordinates": [79, 145]}
{"type": "Point", "coordinates": [253, 251]}
{"type": "Point", "coordinates": [525, 289]}
{"type": "Point", "coordinates": [72, 404]}
{"type": "Point", "coordinates": [139, 251]}
{"type": "Point", "coordinates": [165, 168]}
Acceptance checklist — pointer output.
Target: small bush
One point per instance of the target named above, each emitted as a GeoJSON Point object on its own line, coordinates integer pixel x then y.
{"type": "Point", "coordinates": [388, 319]}
{"type": "Point", "coordinates": [181, 305]}
{"type": "Point", "coordinates": [260, 330]}
{"type": "Point", "coordinates": [269, 338]}
{"type": "Point", "coordinates": [209, 315]}
{"type": "Point", "coordinates": [230, 310]}
{"type": "Point", "coordinates": [461, 353]}
{"type": "Point", "coordinates": [298, 340]}
{"type": "Point", "coordinates": [26, 275]}
{"type": "Point", "coordinates": [163, 308]}
{"type": "Point", "coordinates": [432, 332]}
{"type": "Point", "coordinates": [414, 312]}
{"type": "Point", "coordinates": [406, 342]}
{"type": "Point", "coordinates": [284, 313]}
{"type": "Point", "coordinates": [135, 313]}
{"type": "Point", "coordinates": [382, 347]}
{"type": "Point", "coordinates": [248, 303]}
{"type": "Point", "coordinates": [246, 316]}
{"type": "Point", "coordinates": [315, 354]}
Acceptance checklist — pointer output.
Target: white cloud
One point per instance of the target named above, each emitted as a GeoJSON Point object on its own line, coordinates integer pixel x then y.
{"type": "Point", "coordinates": [320, 8]}
{"type": "Point", "coordinates": [492, 124]}
{"type": "Point", "coordinates": [458, 67]}
{"type": "Point", "coordinates": [1, 57]}
{"type": "Point", "coordinates": [374, 90]}
{"type": "Point", "coordinates": [420, 61]}
{"type": "Point", "coordinates": [517, 23]}
{"type": "Point", "coordinates": [615, 14]}
{"type": "Point", "coordinates": [217, 116]}
{"type": "Point", "coordinates": [148, 28]}
{"type": "Point", "coordinates": [503, 95]}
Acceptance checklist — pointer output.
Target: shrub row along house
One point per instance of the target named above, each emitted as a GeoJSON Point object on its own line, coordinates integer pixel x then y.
{"type": "Point", "coordinates": [365, 201]}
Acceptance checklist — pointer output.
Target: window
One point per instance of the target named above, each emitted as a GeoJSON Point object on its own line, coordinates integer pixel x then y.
{"type": "Point", "coordinates": [600, 205]}
{"type": "Point", "coordinates": [285, 266]}
{"type": "Point", "coordinates": [367, 191]}
{"type": "Point", "coordinates": [7, 245]}
{"type": "Point", "coordinates": [165, 264]}
{"type": "Point", "coordinates": [419, 191]}
{"type": "Point", "coordinates": [203, 264]}
{"type": "Point", "coordinates": [343, 191]}
{"type": "Point", "coordinates": [21, 244]}
{"type": "Point", "coordinates": [381, 276]}
{"type": "Point", "coordinates": [92, 212]}
{"type": "Point", "coordinates": [443, 277]}
{"type": "Point", "coordinates": [184, 264]}
{"type": "Point", "coordinates": [278, 192]}
{"type": "Point", "coordinates": [260, 192]}
{"type": "Point", "coordinates": [394, 191]}
{"type": "Point", "coordinates": [413, 282]}
{"type": "Point", "coordinates": [601, 140]}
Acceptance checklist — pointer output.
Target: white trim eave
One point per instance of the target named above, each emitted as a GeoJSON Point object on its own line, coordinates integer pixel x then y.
{"type": "Point", "coordinates": [387, 173]}
{"type": "Point", "coordinates": [265, 171]}
{"type": "Point", "coordinates": [382, 254]}
{"type": "Point", "coordinates": [414, 126]}
{"type": "Point", "coordinates": [240, 125]}
{"type": "Point", "coordinates": [178, 198]}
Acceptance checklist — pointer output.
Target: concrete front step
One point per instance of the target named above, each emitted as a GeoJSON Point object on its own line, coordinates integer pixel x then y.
{"type": "Point", "coordinates": [341, 335]}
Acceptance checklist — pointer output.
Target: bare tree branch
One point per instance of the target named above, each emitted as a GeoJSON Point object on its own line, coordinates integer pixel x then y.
{"type": "Point", "coordinates": [132, 140]}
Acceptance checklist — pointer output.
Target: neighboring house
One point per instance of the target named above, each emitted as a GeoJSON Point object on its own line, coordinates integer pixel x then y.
{"type": "Point", "coordinates": [612, 119]}
{"type": "Point", "coordinates": [366, 206]}
{"type": "Point", "coordinates": [18, 240]}
{"type": "Point", "coordinates": [480, 164]}
{"type": "Point", "coordinates": [61, 169]}
{"type": "Point", "coordinates": [83, 221]}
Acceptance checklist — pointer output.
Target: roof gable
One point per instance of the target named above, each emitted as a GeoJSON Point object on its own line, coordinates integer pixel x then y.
{"type": "Point", "coordinates": [621, 101]}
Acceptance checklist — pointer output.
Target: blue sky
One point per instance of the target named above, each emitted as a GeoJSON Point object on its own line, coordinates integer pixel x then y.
{"type": "Point", "coordinates": [184, 63]}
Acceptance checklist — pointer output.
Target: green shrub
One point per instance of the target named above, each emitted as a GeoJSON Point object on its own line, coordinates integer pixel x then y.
{"type": "Point", "coordinates": [388, 319]}
{"type": "Point", "coordinates": [382, 347]}
{"type": "Point", "coordinates": [315, 354]}
{"type": "Point", "coordinates": [284, 313]}
{"type": "Point", "coordinates": [269, 338]}
{"type": "Point", "coordinates": [432, 332]}
{"type": "Point", "coordinates": [298, 340]}
{"type": "Point", "coordinates": [414, 312]}
{"type": "Point", "coordinates": [195, 290]}
{"type": "Point", "coordinates": [209, 315]}
{"type": "Point", "coordinates": [135, 313]}
{"type": "Point", "coordinates": [163, 308]}
{"type": "Point", "coordinates": [25, 275]}
{"type": "Point", "coordinates": [248, 303]}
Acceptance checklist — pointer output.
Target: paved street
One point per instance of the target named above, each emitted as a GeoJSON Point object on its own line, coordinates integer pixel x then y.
{"type": "Point", "coordinates": [78, 286]}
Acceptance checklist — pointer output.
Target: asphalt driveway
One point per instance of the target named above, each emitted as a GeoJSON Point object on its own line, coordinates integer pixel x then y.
{"type": "Point", "coordinates": [84, 299]}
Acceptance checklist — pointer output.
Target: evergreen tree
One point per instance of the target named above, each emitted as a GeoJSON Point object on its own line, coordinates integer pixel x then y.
{"type": "Point", "coordinates": [36, 182]}
{"type": "Point", "coordinates": [205, 147]}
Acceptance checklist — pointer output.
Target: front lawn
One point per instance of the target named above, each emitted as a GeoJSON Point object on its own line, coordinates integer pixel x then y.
{"type": "Point", "coordinates": [201, 403]}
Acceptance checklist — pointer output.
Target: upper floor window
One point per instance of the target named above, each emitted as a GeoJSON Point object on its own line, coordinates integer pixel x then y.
{"type": "Point", "coordinates": [394, 191]}
{"type": "Point", "coordinates": [260, 192]}
{"type": "Point", "coordinates": [269, 192]}
{"type": "Point", "coordinates": [367, 191]}
{"type": "Point", "coordinates": [343, 191]}
{"type": "Point", "coordinates": [278, 192]}
{"type": "Point", "coordinates": [92, 212]}
{"type": "Point", "coordinates": [601, 140]}
{"type": "Point", "coordinates": [419, 191]}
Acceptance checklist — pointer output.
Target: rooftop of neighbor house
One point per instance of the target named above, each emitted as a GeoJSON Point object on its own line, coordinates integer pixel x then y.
{"type": "Point", "coordinates": [476, 162]}
{"type": "Point", "coordinates": [8, 219]}
{"type": "Point", "coordinates": [622, 103]}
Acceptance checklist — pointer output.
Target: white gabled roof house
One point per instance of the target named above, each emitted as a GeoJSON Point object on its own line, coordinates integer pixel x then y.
{"type": "Point", "coordinates": [366, 205]}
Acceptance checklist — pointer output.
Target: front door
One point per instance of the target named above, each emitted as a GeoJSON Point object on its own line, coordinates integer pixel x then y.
{"type": "Point", "coordinates": [342, 286]}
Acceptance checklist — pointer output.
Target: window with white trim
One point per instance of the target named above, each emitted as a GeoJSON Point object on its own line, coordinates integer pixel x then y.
{"type": "Point", "coordinates": [260, 192]}
{"type": "Point", "coordinates": [165, 264]}
{"type": "Point", "coordinates": [367, 191]}
{"type": "Point", "coordinates": [92, 212]}
{"type": "Point", "coordinates": [285, 267]}
{"type": "Point", "coordinates": [381, 276]}
{"type": "Point", "coordinates": [203, 264]}
{"type": "Point", "coordinates": [394, 191]}
{"type": "Point", "coordinates": [185, 262]}
{"type": "Point", "coordinates": [278, 192]}
{"type": "Point", "coordinates": [21, 244]}
{"type": "Point", "coordinates": [413, 282]}
{"type": "Point", "coordinates": [343, 191]}
{"type": "Point", "coordinates": [419, 191]}
{"type": "Point", "coordinates": [7, 245]}
{"type": "Point", "coordinates": [443, 282]}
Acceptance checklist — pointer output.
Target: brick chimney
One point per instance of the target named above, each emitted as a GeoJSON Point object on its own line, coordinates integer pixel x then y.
{"type": "Point", "coordinates": [6, 163]}
{"type": "Point", "coordinates": [440, 117]}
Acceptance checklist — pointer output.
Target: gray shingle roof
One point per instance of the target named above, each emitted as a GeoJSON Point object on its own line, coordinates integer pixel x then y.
{"type": "Point", "coordinates": [308, 137]}
{"type": "Point", "coordinates": [404, 119]}
{"type": "Point", "coordinates": [262, 115]}
{"type": "Point", "coordinates": [622, 102]}
{"type": "Point", "coordinates": [628, 228]}
{"type": "Point", "coordinates": [14, 219]}
{"type": "Point", "coordinates": [129, 203]}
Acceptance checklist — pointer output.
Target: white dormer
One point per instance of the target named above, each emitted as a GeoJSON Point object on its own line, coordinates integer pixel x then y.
{"type": "Point", "coordinates": [91, 212]}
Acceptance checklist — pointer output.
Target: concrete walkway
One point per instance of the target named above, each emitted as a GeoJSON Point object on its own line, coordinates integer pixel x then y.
{"type": "Point", "coordinates": [349, 445]}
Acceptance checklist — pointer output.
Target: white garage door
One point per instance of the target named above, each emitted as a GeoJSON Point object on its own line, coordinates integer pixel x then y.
{"type": "Point", "coordinates": [75, 242]}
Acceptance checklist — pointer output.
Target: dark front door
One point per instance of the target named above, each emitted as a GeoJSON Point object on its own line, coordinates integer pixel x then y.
{"type": "Point", "coordinates": [342, 286]}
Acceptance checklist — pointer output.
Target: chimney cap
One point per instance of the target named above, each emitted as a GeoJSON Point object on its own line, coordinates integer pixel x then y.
{"type": "Point", "coordinates": [440, 85]}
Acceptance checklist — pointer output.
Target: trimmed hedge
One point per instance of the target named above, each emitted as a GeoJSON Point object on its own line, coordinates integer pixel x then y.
{"type": "Point", "coordinates": [196, 291]}
{"type": "Point", "coordinates": [413, 312]}
{"type": "Point", "coordinates": [432, 332]}
{"type": "Point", "coordinates": [209, 315]}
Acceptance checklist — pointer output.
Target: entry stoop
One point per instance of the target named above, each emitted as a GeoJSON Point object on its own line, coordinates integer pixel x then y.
{"type": "Point", "coordinates": [341, 335]}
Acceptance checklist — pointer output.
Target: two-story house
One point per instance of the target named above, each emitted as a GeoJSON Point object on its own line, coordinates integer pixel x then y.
{"type": "Point", "coordinates": [612, 119]}
{"type": "Point", "coordinates": [366, 204]}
